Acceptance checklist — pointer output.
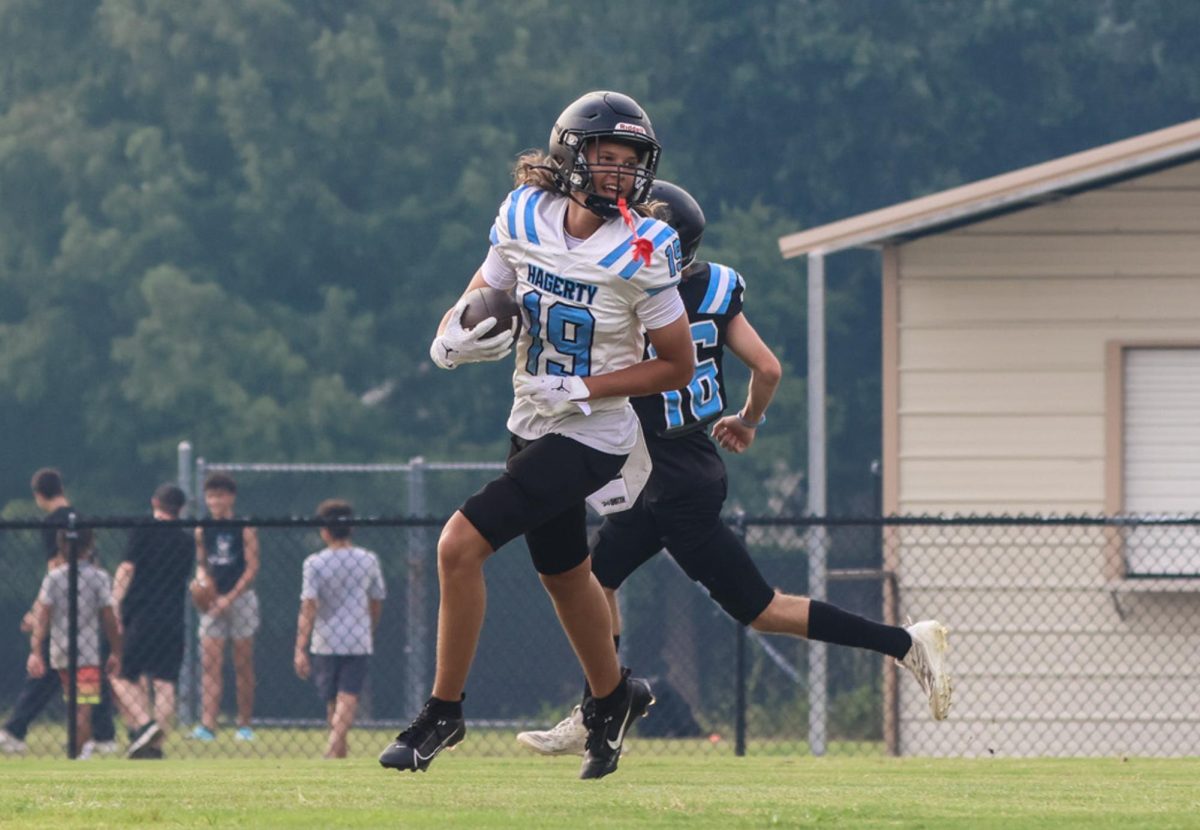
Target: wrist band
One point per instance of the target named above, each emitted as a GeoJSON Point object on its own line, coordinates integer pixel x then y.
{"type": "Point", "coordinates": [744, 421]}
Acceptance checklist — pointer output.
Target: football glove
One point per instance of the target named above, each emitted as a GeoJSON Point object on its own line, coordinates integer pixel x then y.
{"type": "Point", "coordinates": [456, 345]}
{"type": "Point", "coordinates": [555, 395]}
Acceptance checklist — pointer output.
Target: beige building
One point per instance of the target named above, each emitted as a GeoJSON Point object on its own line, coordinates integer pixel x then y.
{"type": "Point", "coordinates": [1041, 355]}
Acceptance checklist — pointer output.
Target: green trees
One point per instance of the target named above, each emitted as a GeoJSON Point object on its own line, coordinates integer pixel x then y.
{"type": "Point", "coordinates": [238, 222]}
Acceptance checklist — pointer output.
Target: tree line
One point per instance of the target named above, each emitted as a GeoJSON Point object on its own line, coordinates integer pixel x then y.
{"type": "Point", "coordinates": [238, 221]}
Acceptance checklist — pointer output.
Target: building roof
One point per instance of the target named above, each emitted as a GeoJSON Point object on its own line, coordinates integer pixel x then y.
{"type": "Point", "coordinates": [1002, 194]}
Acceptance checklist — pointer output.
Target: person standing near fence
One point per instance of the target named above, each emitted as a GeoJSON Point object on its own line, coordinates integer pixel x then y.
{"type": "Point", "coordinates": [227, 557]}
{"type": "Point", "coordinates": [341, 598]}
{"type": "Point", "coordinates": [94, 611]}
{"type": "Point", "coordinates": [51, 498]}
{"type": "Point", "coordinates": [592, 275]}
{"type": "Point", "coordinates": [680, 507]}
{"type": "Point", "coordinates": [149, 591]}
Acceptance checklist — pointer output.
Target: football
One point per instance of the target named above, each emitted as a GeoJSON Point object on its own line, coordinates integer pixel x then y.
{"type": "Point", "coordinates": [486, 302]}
{"type": "Point", "coordinates": [203, 593]}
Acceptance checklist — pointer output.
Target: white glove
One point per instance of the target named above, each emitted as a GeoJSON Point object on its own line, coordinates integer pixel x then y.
{"type": "Point", "coordinates": [456, 346]}
{"type": "Point", "coordinates": [554, 395]}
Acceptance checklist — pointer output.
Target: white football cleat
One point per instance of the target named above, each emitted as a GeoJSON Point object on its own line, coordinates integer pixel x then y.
{"type": "Point", "coordinates": [567, 738]}
{"type": "Point", "coordinates": [10, 744]}
{"type": "Point", "coordinates": [927, 661]}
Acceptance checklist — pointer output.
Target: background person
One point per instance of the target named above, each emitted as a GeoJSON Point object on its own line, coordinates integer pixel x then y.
{"type": "Point", "coordinates": [149, 592]}
{"type": "Point", "coordinates": [94, 610]}
{"type": "Point", "coordinates": [341, 598]}
{"type": "Point", "coordinates": [51, 498]}
{"type": "Point", "coordinates": [228, 558]}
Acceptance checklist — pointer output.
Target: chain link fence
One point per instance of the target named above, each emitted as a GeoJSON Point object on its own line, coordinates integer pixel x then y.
{"type": "Point", "coordinates": [1068, 637]}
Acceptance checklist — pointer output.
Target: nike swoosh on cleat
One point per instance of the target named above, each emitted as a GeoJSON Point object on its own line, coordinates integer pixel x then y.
{"type": "Point", "coordinates": [615, 745]}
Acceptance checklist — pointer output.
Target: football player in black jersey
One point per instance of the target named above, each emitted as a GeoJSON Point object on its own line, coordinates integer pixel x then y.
{"type": "Point", "coordinates": [680, 507]}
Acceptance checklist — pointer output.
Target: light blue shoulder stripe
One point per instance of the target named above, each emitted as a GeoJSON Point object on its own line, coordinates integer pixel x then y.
{"type": "Point", "coordinates": [622, 249]}
{"type": "Point", "coordinates": [663, 234]}
{"type": "Point", "coordinates": [714, 282]}
{"type": "Point", "coordinates": [494, 236]}
{"type": "Point", "coordinates": [650, 292]}
{"type": "Point", "coordinates": [728, 286]}
{"type": "Point", "coordinates": [512, 210]}
{"type": "Point", "coordinates": [530, 219]}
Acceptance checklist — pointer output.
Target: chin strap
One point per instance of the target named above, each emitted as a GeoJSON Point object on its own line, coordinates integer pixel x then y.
{"type": "Point", "coordinates": [642, 247]}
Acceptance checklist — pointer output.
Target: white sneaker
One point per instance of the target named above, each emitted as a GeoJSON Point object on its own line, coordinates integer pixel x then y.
{"type": "Point", "coordinates": [86, 751]}
{"type": "Point", "coordinates": [105, 747]}
{"type": "Point", "coordinates": [567, 738]}
{"type": "Point", "coordinates": [10, 744]}
{"type": "Point", "coordinates": [927, 661]}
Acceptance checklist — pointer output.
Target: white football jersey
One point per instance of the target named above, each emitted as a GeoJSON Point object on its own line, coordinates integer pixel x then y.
{"type": "Point", "coordinates": [584, 308]}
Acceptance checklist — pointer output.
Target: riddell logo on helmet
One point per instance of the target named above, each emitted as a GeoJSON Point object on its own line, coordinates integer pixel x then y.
{"type": "Point", "coordinates": [625, 126]}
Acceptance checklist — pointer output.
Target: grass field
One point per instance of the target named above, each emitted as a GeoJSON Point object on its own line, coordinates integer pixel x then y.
{"type": "Point", "coordinates": [649, 791]}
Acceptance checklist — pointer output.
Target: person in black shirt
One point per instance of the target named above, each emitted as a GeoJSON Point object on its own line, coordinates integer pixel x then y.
{"type": "Point", "coordinates": [680, 507]}
{"type": "Point", "coordinates": [51, 499]}
{"type": "Point", "coordinates": [149, 589]}
{"type": "Point", "coordinates": [227, 558]}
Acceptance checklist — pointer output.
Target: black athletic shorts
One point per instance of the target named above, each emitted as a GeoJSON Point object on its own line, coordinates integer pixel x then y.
{"type": "Point", "coordinates": [333, 673]}
{"type": "Point", "coordinates": [152, 649]}
{"type": "Point", "coordinates": [689, 526]}
{"type": "Point", "coordinates": [541, 494]}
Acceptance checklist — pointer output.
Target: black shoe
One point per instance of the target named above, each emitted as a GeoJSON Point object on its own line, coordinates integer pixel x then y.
{"type": "Point", "coordinates": [607, 727]}
{"type": "Point", "coordinates": [146, 753]}
{"type": "Point", "coordinates": [141, 738]}
{"type": "Point", "coordinates": [415, 748]}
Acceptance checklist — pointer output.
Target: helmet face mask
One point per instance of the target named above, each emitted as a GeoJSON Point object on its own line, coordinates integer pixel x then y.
{"type": "Point", "coordinates": [584, 124]}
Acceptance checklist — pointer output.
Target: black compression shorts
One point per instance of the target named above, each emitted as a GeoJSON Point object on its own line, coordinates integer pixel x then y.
{"type": "Point", "coordinates": [541, 494]}
{"type": "Point", "coordinates": [689, 526]}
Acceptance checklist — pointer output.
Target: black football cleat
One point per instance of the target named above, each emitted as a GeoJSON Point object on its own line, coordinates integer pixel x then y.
{"type": "Point", "coordinates": [415, 748]}
{"type": "Point", "coordinates": [607, 728]}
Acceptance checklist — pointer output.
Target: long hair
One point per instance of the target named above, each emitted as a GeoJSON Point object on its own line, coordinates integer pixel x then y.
{"type": "Point", "coordinates": [535, 167]}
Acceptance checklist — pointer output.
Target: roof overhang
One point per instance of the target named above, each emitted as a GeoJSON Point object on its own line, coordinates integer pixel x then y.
{"type": "Point", "coordinates": [1005, 193]}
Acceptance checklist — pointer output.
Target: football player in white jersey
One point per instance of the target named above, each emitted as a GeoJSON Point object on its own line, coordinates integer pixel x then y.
{"type": "Point", "coordinates": [591, 273]}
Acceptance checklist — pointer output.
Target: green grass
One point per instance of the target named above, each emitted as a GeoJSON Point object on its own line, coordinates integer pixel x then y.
{"type": "Point", "coordinates": [647, 791]}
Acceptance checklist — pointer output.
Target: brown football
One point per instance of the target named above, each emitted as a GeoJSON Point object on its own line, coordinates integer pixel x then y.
{"type": "Point", "coordinates": [491, 302]}
{"type": "Point", "coordinates": [203, 593]}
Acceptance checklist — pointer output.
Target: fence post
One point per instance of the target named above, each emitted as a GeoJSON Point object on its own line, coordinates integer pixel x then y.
{"type": "Point", "coordinates": [191, 481]}
{"type": "Point", "coordinates": [72, 634]}
{"type": "Point", "coordinates": [416, 646]}
{"type": "Point", "coordinates": [739, 715]}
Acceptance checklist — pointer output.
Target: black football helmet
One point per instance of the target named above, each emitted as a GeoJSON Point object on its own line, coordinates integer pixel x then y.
{"type": "Point", "coordinates": [609, 115]}
{"type": "Point", "coordinates": [685, 216]}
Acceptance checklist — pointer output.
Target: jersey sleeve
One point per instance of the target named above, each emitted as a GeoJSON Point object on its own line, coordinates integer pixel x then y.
{"type": "Point", "coordinates": [496, 272]}
{"type": "Point", "coordinates": [723, 297]}
{"type": "Point", "coordinates": [516, 224]}
{"type": "Point", "coordinates": [736, 299]}
{"type": "Point", "coordinates": [309, 578]}
{"type": "Point", "coordinates": [376, 589]}
{"type": "Point", "coordinates": [662, 272]}
{"type": "Point", "coordinates": [46, 591]}
{"type": "Point", "coordinates": [661, 309]}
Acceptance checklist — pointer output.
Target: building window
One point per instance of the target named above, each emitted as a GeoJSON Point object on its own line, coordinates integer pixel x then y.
{"type": "Point", "coordinates": [1161, 464]}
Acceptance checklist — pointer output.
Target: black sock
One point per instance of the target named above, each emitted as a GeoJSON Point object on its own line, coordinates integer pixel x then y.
{"type": "Point", "coordinates": [587, 690]}
{"type": "Point", "coordinates": [613, 698]}
{"type": "Point", "coordinates": [831, 624]}
{"type": "Point", "coordinates": [446, 708]}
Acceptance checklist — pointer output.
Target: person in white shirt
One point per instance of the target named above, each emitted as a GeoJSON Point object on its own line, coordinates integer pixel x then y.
{"type": "Point", "coordinates": [341, 598]}
{"type": "Point", "coordinates": [595, 276]}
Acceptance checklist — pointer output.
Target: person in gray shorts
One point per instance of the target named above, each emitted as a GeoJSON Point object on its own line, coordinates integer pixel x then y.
{"type": "Point", "coordinates": [228, 558]}
{"type": "Point", "coordinates": [341, 597]}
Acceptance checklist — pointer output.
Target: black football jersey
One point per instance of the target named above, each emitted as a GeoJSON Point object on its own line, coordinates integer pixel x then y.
{"type": "Point", "coordinates": [674, 423]}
